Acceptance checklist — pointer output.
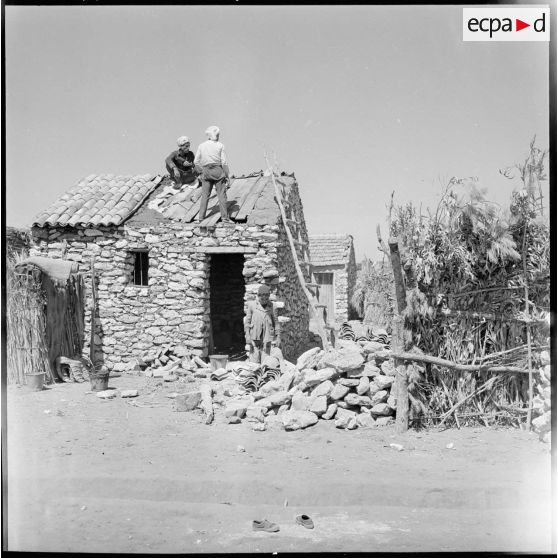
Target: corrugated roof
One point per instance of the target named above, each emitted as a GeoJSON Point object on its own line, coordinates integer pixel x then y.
{"type": "Point", "coordinates": [251, 198]}
{"type": "Point", "coordinates": [103, 199]}
{"type": "Point", "coordinates": [330, 249]}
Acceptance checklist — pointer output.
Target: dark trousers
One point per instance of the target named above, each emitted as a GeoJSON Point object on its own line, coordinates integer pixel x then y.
{"type": "Point", "coordinates": [259, 350]}
{"type": "Point", "coordinates": [213, 176]}
{"type": "Point", "coordinates": [186, 177]}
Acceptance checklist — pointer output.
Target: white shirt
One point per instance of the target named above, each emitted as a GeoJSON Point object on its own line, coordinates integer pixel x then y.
{"type": "Point", "coordinates": [210, 153]}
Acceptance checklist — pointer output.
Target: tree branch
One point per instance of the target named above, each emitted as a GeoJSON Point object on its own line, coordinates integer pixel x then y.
{"type": "Point", "coordinates": [458, 367]}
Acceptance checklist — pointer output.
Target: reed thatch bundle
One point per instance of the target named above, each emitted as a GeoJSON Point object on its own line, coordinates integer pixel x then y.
{"type": "Point", "coordinates": [26, 342]}
{"type": "Point", "coordinates": [59, 319]}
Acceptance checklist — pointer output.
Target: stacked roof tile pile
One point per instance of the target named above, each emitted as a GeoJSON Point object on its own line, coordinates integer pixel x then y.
{"type": "Point", "coordinates": [355, 330]}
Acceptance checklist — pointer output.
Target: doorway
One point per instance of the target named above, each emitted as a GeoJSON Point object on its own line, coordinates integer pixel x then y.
{"type": "Point", "coordinates": [326, 295]}
{"type": "Point", "coordinates": [226, 304]}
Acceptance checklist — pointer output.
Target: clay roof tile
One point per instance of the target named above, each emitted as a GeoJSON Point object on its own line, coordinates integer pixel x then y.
{"type": "Point", "coordinates": [107, 198]}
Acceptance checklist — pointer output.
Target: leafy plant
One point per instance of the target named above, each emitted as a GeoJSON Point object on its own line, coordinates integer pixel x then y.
{"type": "Point", "coordinates": [465, 284]}
{"type": "Point", "coordinates": [374, 296]}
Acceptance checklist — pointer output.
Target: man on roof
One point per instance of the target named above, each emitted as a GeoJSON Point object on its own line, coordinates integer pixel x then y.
{"type": "Point", "coordinates": [211, 164]}
{"type": "Point", "coordinates": [180, 164]}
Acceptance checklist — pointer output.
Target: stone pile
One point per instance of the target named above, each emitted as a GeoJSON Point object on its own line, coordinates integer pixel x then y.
{"type": "Point", "coordinates": [350, 385]}
{"type": "Point", "coordinates": [167, 362]}
{"type": "Point", "coordinates": [541, 402]}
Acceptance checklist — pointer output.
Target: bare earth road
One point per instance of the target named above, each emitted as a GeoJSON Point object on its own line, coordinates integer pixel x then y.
{"type": "Point", "coordinates": [92, 475]}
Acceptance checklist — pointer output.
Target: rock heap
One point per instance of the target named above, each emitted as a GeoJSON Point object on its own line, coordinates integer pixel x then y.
{"type": "Point", "coordinates": [542, 402]}
{"type": "Point", "coordinates": [169, 362]}
{"type": "Point", "coordinates": [350, 385]}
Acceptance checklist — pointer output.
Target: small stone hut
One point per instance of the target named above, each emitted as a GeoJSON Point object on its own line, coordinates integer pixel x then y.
{"type": "Point", "coordinates": [334, 266]}
{"type": "Point", "coordinates": [162, 278]}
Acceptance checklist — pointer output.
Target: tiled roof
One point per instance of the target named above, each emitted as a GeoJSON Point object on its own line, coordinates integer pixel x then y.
{"type": "Point", "coordinates": [103, 199]}
{"type": "Point", "coordinates": [330, 249]}
{"type": "Point", "coordinates": [251, 199]}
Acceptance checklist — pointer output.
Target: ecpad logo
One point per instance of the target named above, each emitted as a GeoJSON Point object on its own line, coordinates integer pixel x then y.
{"type": "Point", "coordinates": [506, 24]}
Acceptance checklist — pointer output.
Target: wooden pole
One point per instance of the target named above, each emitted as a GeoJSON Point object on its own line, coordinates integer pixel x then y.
{"type": "Point", "coordinates": [401, 378]}
{"type": "Point", "coordinates": [529, 365]}
{"type": "Point", "coordinates": [398, 340]}
{"type": "Point", "coordinates": [397, 274]}
{"type": "Point", "coordinates": [93, 312]}
{"type": "Point", "coordinates": [457, 367]}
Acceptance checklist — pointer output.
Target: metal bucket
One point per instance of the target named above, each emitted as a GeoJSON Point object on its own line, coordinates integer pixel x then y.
{"type": "Point", "coordinates": [218, 361]}
{"type": "Point", "coordinates": [99, 382]}
{"type": "Point", "coordinates": [35, 382]}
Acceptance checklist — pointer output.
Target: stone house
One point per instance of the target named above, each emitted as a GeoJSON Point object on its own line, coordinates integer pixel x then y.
{"type": "Point", "coordinates": [335, 271]}
{"type": "Point", "coordinates": [163, 278]}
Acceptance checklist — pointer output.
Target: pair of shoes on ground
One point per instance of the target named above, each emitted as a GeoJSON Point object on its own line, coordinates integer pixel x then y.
{"type": "Point", "coordinates": [267, 526]}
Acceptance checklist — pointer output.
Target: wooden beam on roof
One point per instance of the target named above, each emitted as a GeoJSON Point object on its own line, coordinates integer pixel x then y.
{"type": "Point", "coordinates": [215, 215]}
{"type": "Point", "coordinates": [252, 198]}
{"type": "Point", "coordinates": [195, 208]}
{"type": "Point", "coordinates": [245, 192]}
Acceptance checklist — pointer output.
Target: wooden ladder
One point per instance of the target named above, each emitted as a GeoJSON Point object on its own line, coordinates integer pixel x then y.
{"type": "Point", "coordinates": [306, 287]}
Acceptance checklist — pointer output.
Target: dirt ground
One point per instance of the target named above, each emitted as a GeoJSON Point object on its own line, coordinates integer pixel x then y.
{"type": "Point", "coordinates": [92, 475]}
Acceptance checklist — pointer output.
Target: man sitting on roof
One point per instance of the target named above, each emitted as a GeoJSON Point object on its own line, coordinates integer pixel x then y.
{"type": "Point", "coordinates": [180, 163]}
{"type": "Point", "coordinates": [211, 164]}
{"type": "Point", "coordinates": [260, 327]}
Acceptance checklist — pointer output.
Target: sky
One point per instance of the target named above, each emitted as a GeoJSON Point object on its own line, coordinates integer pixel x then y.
{"type": "Point", "coordinates": [357, 101]}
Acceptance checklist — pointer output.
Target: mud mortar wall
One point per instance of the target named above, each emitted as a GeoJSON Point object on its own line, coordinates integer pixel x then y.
{"type": "Point", "coordinates": [294, 334]}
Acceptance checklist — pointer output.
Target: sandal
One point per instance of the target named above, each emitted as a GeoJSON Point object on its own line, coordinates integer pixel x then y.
{"type": "Point", "coordinates": [305, 521]}
{"type": "Point", "coordinates": [264, 525]}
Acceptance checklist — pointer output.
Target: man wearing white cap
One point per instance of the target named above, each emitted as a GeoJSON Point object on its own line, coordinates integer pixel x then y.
{"type": "Point", "coordinates": [211, 164]}
{"type": "Point", "coordinates": [180, 163]}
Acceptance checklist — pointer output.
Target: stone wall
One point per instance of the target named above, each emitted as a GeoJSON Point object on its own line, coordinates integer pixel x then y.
{"type": "Point", "coordinates": [294, 332]}
{"type": "Point", "coordinates": [174, 307]}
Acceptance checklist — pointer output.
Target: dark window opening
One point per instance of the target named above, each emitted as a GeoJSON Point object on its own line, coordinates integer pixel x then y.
{"type": "Point", "coordinates": [141, 266]}
{"type": "Point", "coordinates": [227, 288]}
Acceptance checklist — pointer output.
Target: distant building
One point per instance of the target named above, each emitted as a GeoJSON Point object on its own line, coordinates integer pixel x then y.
{"type": "Point", "coordinates": [334, 266]}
